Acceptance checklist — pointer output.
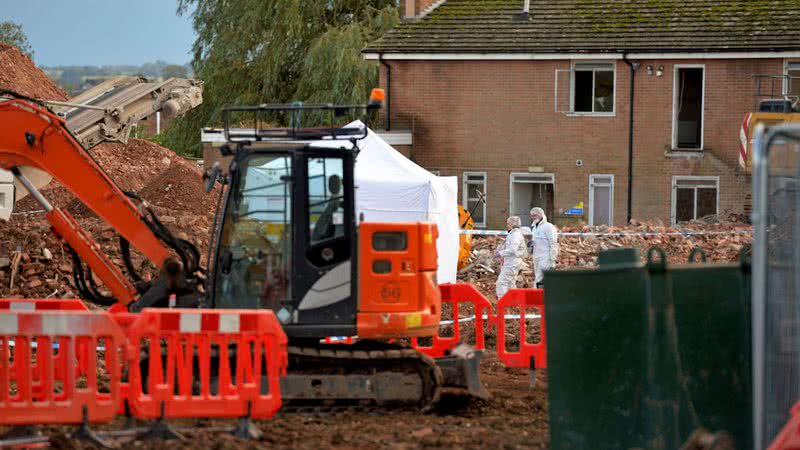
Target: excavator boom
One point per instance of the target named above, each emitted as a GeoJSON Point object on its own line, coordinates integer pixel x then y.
{"type": "Point", "coordinates": [32, 136]}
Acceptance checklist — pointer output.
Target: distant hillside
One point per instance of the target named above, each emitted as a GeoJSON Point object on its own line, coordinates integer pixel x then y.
{"type": "Point", "coordinates": [75, 79]}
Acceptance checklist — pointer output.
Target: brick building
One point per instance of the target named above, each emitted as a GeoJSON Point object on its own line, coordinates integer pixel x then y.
{"type": "Point", "coordinates": [554, 108]}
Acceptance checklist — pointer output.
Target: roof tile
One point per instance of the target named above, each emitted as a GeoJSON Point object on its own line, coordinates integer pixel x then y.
{"type": "Point", "coordinates": [496, 26]}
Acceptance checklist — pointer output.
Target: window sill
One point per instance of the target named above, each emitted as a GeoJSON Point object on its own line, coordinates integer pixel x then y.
{"type": "Point", "coordinates": [591, 114]}
{"type": "Point", "coordinates": [684, 153]}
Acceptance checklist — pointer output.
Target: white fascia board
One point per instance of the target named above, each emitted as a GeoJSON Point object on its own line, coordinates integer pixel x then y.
{"type": "Point", "coordinates": [396, 137]}
{"type": "Point", "coordinates": [371, 55]}
{"type": "Point", "coordinates": [490, 56]}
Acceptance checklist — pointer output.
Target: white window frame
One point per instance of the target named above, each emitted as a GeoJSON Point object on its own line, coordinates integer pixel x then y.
{"type": "Point", "coordinates": [576, 67]}
{"type": "Point", "coordinates": [711, 182]}
{"type": "Point", "coordinates": [532, 178]}
{"type": "Point", "coordinates": [787, 64]}
{"type": "Point", "coordinates": [592, 184]}
{"type": "Point", "coordinates": [465, 193]}
{"type": "Point", "coordinates": [675, 69]}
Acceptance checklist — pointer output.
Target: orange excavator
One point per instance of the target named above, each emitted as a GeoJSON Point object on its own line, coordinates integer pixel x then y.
{"type": "Point", "coordinates": [287, 239]}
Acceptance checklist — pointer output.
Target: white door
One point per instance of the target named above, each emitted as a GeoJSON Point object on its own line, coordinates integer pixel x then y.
{"type": "Point", "coordinates": [601, 199]}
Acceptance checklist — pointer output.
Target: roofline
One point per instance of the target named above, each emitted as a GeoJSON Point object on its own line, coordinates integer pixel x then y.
{"type": "Point", "coordinates": [372, 54]}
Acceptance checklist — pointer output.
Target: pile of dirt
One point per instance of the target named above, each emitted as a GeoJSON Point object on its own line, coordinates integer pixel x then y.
{"type": "Point", "coordinates": [20, 75]}
{"type": "Point", "coordinates": [181, 188]}
{"type": "Point", "coordinates": [721, 241]}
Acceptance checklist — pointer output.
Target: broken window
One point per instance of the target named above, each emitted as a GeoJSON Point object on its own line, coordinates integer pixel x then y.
{"type": "Point", "coordinates": [688, 120]}
{"type": "Point", "coordinates": [473, 192]}
{"type": "Point", "coordinates": [694, 198]}
{"type": "Point", "coordinates": [593, 88]}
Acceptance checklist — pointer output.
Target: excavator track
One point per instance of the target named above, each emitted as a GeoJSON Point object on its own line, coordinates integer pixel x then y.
{"type": "Point", "coordinates": [365, 377]}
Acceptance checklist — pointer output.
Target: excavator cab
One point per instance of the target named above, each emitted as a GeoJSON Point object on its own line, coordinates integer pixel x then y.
{"type": "Point", "coordinates": [287, 240]}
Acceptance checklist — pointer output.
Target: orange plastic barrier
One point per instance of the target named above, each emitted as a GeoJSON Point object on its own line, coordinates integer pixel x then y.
{"type": "Point", "coordinates": [46, 304]}
{"type": "Point", "coordinates": [205, 363]}
{"type": "Point", "coordinates": [456, 295]}
{"type": "Point", "coordinates": [528, 354]}
{"type": "Point", "coordinates": [39, 353]}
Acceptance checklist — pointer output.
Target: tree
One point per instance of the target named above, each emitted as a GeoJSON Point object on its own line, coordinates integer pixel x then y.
{"type": "Point", "coordinates": [11, 33]}
{"type": "Point", "coordinates": [174, 71]}
{"type": "Point", "coordinates": [252, 52]}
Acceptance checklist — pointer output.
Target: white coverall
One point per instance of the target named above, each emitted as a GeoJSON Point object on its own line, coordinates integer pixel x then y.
{"type": "Point", "coordinates": [544, 247]}
{"type": "Point", "coordinates": [512, 252]}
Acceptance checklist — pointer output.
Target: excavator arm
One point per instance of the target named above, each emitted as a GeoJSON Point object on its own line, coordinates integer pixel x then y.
{"type": "Point", "coordinates": [32, 136]}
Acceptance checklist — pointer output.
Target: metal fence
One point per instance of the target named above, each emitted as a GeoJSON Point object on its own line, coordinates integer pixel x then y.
{"type": "Point", "coordinates": [776, 279]}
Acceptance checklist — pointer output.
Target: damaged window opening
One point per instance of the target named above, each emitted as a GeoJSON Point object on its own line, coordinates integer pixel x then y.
{"type": "Point", "coordinates": [694, 198]}
{"type": "Point", "coordinates": [593, 88]}
{"type": "Point", "coordinates": [688, 120]}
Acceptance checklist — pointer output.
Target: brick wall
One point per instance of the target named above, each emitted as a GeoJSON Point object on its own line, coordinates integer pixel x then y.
{"type": "Point", "coordinates": [499, 117]}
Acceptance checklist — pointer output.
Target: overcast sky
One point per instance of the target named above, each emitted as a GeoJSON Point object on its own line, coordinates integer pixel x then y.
{"type": "Point", "coordinates": [100, 32]}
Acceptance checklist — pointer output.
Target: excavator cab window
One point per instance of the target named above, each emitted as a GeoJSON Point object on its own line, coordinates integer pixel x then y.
{"type": "Point", "coordinates": [254, 263]}
{"type": "Point", "coordinates": [325, 199]}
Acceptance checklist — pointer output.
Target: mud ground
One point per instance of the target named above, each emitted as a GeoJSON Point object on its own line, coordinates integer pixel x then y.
{"type": "Point", "coordinates": [515, 417]}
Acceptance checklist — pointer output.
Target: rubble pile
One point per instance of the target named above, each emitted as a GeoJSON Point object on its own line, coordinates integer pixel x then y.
{"type": "Point", "coordinates": [581, 251]}
{"type": "Point", "coordinates": [20, 75]}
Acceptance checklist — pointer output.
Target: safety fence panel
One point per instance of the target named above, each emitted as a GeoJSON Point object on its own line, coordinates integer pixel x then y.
{"type": "Point", "coordinates": [205, 363]}
{"type": "Point", "coordinates": [42, 377]}
{"type": "Point", "coordinates": [530, 355]}
{"type": "Point", "coordinates": [457, 295]}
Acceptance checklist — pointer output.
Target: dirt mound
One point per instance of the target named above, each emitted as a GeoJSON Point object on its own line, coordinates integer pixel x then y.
{"type": "Point", "coordinates": [19, 74]}
{"type": "Point", "coordinates": [134, 164]}
{"type": "Point", "coordinates": [180, 188]}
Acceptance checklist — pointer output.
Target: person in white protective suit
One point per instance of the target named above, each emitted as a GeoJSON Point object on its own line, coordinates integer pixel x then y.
{"type": "Point", "coordinates": [543, 245]}
{"type": "Point", "coordinates": [512, 252]}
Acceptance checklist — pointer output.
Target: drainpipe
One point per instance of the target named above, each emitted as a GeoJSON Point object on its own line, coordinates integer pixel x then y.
{"type": "Point", "coordinates": [633, 66]}
{"type": "Point", "coordinates": [388, 91]}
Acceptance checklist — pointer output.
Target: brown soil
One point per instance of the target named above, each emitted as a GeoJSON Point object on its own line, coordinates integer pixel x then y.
{"type": "Point", "coordinates": [20, 75]}
{"type": "Point", "coordinates": [515, 417]}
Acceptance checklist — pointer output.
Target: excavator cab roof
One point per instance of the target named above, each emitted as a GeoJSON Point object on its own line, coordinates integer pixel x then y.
{"type": "Point", "coordinates": [247, 124]}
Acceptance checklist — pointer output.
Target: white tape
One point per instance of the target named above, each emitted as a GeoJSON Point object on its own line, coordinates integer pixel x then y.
{"type": "Point", "coordinates": [668, 233]}
{"type": "Point", "coordinates": [9, 324]}
{"type": "Point", "coordinates": [486, 317]}
{"type": "Point", "coordinates": [228, 323]}
{"type": "Point", "coordinates": [190, 323]}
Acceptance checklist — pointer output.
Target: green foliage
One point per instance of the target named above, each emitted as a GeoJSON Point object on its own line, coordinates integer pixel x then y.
{"type": "Point", "coordinates": [252, 51]}
{"type": "Point", "coordinates": [11, 33]}
{"type": "Point", "coordinates": [174, 71]}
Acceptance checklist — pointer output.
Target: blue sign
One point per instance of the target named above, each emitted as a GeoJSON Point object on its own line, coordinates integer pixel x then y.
{"type": "Point", "coordinates": [575, 212]}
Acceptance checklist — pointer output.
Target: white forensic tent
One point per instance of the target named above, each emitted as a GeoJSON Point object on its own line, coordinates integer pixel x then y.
{"type": "Point", "coordinates": [392, 188]}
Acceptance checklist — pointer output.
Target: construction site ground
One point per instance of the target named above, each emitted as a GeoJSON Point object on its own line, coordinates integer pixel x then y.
{"type": "Point", "coordinates": [515, 417]}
